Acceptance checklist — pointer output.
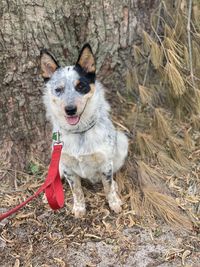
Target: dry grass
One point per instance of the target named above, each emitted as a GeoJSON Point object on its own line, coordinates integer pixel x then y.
{"type": "Point", "coordinates": [175, 79]}
{"type": "Point", "coordinates": [161, 128]}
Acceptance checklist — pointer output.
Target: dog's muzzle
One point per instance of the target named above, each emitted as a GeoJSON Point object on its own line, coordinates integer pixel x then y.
{"type": "Point", "coordinates": [70, 110]}
{"type": "Point", "coordinates": [71, 117]}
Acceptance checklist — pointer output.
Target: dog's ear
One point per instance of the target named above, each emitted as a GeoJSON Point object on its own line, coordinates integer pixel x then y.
{"type": "Point", "coordinates": [86, 59]}
{"type": "Point", "coordinates": [48, 64]}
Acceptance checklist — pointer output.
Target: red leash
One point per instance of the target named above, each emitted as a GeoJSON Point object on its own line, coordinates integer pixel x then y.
{"type": "Point", "coordinates": [52, 185]}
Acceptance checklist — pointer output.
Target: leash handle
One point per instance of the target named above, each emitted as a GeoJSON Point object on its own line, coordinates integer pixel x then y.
{"type": "Point", "coordinates": [52, 186]}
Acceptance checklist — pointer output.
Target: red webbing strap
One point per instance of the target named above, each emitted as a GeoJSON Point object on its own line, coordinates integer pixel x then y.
{"type": "Point", "coordinates": [52, 186]}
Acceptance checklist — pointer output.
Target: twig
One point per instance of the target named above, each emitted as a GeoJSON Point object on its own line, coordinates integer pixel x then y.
{"type": "Point", "coordinates": [189, 41]}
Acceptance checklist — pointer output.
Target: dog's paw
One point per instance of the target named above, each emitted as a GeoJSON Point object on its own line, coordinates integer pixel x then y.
{"type": "Point", "coordinates": [79, 211]}
{"type": "Point", "coordinates": [115, 203]}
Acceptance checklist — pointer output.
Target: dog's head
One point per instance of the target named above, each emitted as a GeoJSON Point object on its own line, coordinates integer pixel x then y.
{"type": "Point", "coordinates": [69, 88]}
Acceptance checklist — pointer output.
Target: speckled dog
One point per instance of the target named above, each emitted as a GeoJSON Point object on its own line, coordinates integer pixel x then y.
{"type": "Point", "coordinates": [77, 108]}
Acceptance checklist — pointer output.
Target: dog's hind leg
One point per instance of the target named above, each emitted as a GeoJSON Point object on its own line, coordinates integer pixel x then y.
{"type": "Point", "coordinates": [79, 200]}
{"type": "Point", "coordinates": [121, 151]}
{"type": "Point", "coordinates": [111, 188]}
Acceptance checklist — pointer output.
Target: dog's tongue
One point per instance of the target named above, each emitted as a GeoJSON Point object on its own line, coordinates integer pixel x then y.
{"type": "Point", "coordinates": [73, 120]}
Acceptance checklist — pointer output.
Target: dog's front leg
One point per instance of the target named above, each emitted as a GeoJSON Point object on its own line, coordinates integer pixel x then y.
{"type": "Point", "coordinates": [79, 200]}
{"type": "Point", "coordinates": [111, 188]}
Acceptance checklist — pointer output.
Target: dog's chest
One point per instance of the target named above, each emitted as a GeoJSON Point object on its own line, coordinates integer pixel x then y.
{"type": "Point", "coordinates": [87, 154]}
{"type": "Point", "coordinates": [86, 166]}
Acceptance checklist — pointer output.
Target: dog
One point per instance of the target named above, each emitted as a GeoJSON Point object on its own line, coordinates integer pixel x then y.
{"type": "Point", "coordinates": [75, 105]}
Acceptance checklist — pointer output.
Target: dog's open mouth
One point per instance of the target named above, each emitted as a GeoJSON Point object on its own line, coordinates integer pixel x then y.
{"type": "Point", "coordinates": [73, 120]}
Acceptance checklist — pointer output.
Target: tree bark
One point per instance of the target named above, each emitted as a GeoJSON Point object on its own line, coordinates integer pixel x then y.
{"type": "Point", "coordinates": [111, 27]}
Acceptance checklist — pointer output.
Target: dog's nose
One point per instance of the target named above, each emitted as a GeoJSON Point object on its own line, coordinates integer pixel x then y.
{"type": "Point", "coordinates": [70, 110]}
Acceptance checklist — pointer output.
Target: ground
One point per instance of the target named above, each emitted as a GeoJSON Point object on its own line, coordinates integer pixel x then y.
{"type": "Point", "coordinates": [37, 236]}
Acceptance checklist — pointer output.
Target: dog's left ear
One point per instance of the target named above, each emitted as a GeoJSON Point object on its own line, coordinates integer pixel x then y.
{"type": "Point", "coordinates": [86, 59]}
{"type": "Point", "coordinates": [48, 64]}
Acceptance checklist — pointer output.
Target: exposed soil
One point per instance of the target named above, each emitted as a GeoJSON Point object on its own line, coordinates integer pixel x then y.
{"type": "Point", "coordinates": [37, 236]}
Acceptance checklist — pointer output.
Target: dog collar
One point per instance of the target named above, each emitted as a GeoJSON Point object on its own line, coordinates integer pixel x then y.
{"type": "Point", "coordinates": [84, 129]}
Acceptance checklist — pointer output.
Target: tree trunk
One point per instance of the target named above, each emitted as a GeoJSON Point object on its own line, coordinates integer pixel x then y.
{"type": "Point", "coordinates": [111, 27]}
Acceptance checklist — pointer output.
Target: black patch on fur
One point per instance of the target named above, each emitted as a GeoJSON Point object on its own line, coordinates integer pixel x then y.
{"type": "Point", "coordinates": [108, 176]}
{"type": "Point", "coordinates": [46, 80]}
{"type": "Point", "coordinates": [83, 87]}
{"type": "Point", "coordinates": [89, 76]}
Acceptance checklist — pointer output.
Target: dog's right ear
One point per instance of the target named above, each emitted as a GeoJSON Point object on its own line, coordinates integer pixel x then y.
{"type": "Point", "coordinates": [48, 64]}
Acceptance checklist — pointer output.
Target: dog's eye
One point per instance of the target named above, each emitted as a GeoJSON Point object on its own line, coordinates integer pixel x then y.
{"type": "Point", "coordinates": [82, 87]}
{"type": "Point", "coordinates": [59, 90]}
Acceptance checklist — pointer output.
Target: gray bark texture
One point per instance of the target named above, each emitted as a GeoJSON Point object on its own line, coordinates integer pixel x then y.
{"type": "Point", "coordinates": [63, 26]}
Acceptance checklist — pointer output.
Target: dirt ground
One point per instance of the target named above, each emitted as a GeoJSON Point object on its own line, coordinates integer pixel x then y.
{"type": "Point", "coordinates": [37, 236]}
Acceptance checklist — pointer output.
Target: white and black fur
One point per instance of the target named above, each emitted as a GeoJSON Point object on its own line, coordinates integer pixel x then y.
{"type": "Point", "coordinates": [77, 108]}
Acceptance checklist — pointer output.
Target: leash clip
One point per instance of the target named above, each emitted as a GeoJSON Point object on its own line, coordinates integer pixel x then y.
{"type": "Point", "coordinates": [56, 138]}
